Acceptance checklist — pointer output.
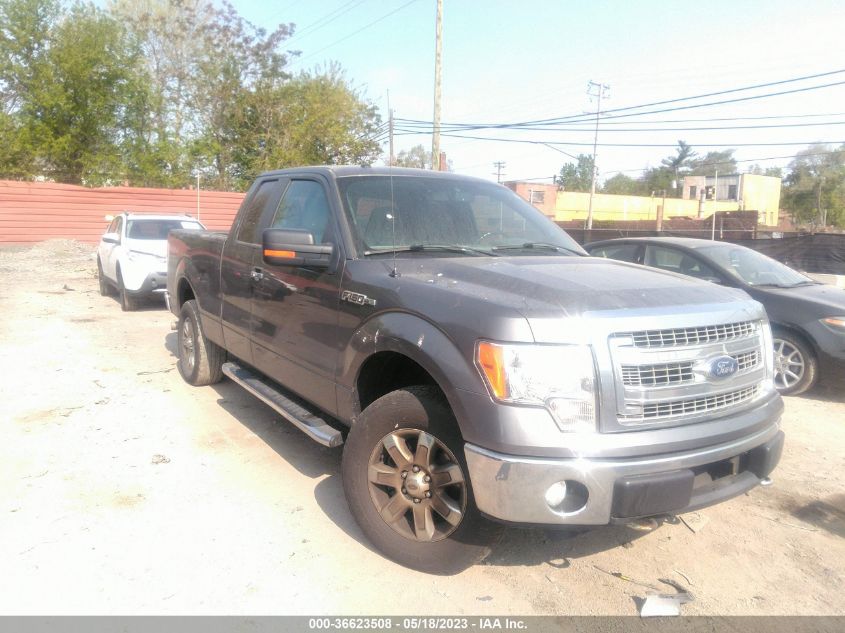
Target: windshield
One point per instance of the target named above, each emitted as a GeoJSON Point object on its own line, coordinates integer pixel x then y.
{"type": "Point", "coordinates": [157, 229]}
{"type": "Point", "coordinates": [754, 268]}
{"type": "Point", "coordinates": [417, 211]}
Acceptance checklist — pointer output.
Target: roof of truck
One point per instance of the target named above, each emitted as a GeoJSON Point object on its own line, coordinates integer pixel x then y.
{"type": "Point", "coordinates": [340, 171]}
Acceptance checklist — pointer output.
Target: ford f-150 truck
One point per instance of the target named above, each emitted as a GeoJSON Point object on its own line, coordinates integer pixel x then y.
{"type": "Point", "coordinates": [473, 360]}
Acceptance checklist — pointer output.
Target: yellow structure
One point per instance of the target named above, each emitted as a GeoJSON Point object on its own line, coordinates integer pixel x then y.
{"type": "Point", "coordinates": [734, 192]}
{"type": "Point", "coordinates": [573, 205]}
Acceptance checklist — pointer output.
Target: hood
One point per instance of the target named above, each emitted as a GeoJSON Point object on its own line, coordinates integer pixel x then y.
{"type": "Point", "coordinates": [539, 286]}
{"type": "Point", "coordinates": [825, 299]}
{"type": "Point", "coordinates": [149, 247]}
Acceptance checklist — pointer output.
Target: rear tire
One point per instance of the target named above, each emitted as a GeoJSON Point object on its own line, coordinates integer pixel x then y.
{"type": "Point", "coordinates": [796, 367]}
{"type": "Point", "coordinates": [426, 518]}
{"type": "Point", "coordinates": [128, 303]}
{"type": "Point", "coordinates": [105, 286]}
{"type": "Point", "coordinates": [200, 360]}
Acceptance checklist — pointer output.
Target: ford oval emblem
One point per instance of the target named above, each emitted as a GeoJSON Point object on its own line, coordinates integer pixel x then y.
{"type": "Point", "coordinates": [723, 366]}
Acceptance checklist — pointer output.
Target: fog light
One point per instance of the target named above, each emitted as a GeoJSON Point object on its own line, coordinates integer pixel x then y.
{"type": "Point", "coordinates": [556, 494]}
{"type": "Point", "coordinates": [567, 497]}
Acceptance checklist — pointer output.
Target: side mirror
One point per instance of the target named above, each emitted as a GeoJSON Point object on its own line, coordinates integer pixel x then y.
{"type": "Point", "coordinates": [111, 238]}
{"type": "Point", "coordinates": [294, 247]}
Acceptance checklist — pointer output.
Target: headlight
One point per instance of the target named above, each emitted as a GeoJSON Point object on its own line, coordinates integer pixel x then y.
{"type": "Point", "coordinates": [836, 322]}
{"type": "Point", "coordinates": [559, 377]}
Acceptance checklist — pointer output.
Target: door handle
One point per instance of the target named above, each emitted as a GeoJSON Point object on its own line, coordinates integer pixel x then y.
{"type": "Point", "coordinates": [257, 274]}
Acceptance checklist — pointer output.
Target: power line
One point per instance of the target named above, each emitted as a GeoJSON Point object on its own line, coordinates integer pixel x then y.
{"type": "Point", "coordinates": [609, 114]}
{"type": "Point", "coordinates": [327, 19]}
{"type": "Point", "coordinates": [354, 33]}
{"type": "Point", "coordinates": [682, 129]}
{"type": "Point", "coordinates": [568, 143]}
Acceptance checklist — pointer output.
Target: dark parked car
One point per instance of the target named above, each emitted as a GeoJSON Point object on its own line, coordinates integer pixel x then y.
{"type": "Point", "coordinates": [807, 317]}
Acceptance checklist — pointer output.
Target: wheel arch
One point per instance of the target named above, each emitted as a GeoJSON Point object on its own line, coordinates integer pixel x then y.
{"type": "Point", "coordinates": [396, 350]}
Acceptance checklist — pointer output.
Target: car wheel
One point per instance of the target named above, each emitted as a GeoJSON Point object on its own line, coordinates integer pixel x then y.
{"type": "Point", "coordinates": [200, 360]}
{"type": "Point", "coordinates": [796, 368]}
{"type": "Point", "coordinates": [128, 303]}
{"type": "Point", "coordinates": [406, 483]}
{"type": "Point", "coordinates": [105, 286]}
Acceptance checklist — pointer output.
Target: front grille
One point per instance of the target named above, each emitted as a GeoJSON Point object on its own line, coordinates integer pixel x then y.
{"type": "Point", "coordinates": [747, 361]}
{"type": "Point", "coordinates": [692, 335]}
{"type": "Point", "coordinates": [685, 408]}
{"type": "Point", "coordinates": [657, 375]}
{"type": "Point", "coordinates": [678, 373]}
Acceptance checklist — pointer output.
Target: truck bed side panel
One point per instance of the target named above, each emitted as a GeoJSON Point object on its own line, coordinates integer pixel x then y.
{"type": "Point", "coordinates": [194, 256]}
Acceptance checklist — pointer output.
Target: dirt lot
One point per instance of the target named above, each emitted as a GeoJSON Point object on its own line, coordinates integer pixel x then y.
{"type": "Point", "coordinates": [124, 490]}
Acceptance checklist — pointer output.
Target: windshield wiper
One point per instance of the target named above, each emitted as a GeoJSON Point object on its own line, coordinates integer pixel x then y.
{"type": "Point", "coordinates": [443, 248]}
{"type": "Point", "coordinates": [539, 246]}
{"type": "Point", "coordinates": [808, 282]}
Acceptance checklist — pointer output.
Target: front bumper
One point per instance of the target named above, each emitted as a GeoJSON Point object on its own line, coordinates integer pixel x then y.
{"type": "Point", "coordinates": [513, 489]}
{"type": "Point", "coordinates": [154, 284]}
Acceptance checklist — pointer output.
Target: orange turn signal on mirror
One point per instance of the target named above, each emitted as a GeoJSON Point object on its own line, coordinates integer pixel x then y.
{"type": "Point", "coordinates": [491, 361]}
{"type": "Point", "coordinates": [271, 253]}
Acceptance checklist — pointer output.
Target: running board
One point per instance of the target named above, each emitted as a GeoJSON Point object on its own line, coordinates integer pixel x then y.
{"type": "Point", "coordinates": [312, 425]}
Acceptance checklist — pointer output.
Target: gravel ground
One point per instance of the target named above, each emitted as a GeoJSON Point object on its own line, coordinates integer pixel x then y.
{"type": "Point", "coordinates": [126, 491]}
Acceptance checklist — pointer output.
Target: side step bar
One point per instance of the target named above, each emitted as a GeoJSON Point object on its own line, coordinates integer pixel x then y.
{"type": "Point", "coordinates": [312, 425]}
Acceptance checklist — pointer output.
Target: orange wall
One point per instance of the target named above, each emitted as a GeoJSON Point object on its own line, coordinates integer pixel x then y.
{"type": "Point", "coordinates": [34, 211]}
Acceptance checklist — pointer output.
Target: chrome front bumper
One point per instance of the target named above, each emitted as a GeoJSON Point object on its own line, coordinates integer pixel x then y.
{"type": "Point", "coordinates": [513, 489]}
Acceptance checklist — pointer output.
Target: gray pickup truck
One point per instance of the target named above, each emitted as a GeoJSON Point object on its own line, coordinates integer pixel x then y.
{"type": "Point", "coordinates": [474, 360]}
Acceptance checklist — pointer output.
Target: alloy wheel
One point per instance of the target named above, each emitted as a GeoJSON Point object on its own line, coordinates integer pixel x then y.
{"type": "Point", "coordinates": [417, 485]}
{"type": "Point", "coordinates": [789, 364]}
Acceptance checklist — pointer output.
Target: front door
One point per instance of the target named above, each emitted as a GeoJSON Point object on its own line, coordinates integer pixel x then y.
{"type": "Point", "coordinates": [295, 307]}
{"type": "Point", "coordinates": [240, 254]}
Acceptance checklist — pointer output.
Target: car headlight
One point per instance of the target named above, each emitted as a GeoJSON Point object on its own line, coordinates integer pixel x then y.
{"type": "Point", "coordinates": [561, 378]}
{"type": "Point", "coordinates": [835, 322]}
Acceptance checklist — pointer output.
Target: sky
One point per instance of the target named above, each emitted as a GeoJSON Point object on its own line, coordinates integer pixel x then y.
{"type": "Point", "coordinates": [509, 61]}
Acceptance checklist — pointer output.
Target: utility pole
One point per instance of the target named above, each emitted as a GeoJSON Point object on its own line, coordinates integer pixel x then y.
{"type": "Point", "coordinates": [438, 50]}
{"type": "Point", "coordinates": [595, 90]}
{"type": "Point", "coordinates": [499, 165]}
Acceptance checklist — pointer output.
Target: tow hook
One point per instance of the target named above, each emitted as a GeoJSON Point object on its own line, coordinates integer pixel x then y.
{"type": "Point", "coordinates": [174, 324]}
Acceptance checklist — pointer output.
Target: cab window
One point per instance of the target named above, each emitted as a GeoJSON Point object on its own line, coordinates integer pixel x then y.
{"type": "Point", "coordinates": [622, 252]}
{"type": "Point", "coordinates": [305, 207]}
{"type": "Point", "coordinates": [678, 262]}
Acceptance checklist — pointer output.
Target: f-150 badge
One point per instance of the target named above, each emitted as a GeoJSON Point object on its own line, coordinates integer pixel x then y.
{"type": "Point", "coordinates": [357, 298]}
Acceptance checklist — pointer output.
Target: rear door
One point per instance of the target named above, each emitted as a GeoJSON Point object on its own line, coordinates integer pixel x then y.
{"type": "Point", "coordinates": [113, 250]}
{"type": "Point", "coordinates": [295, 308]}
{"type": "Point", "coordinates": [240, 254]}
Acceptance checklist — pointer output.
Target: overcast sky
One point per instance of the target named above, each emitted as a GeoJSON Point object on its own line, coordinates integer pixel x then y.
{"type": "Point", "coordinates": [513, 61]}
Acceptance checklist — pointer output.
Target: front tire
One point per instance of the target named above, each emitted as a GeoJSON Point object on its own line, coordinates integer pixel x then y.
{"type": "Point", "coordinates": [200, 360]}
{"type": "Point", "coordinates": [796, 367]}
{"type": "Point", "coordinates": [128, 303]}
{"type": "Point", "coordinates": [407, 485]}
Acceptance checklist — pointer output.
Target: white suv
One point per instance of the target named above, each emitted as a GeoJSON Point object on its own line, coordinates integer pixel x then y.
{"type": "Point", "coordinates": [132, 255]}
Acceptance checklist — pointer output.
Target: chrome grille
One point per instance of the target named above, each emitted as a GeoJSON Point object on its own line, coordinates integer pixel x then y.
{"type": "Point", "coordinates": [656, 375]}
{"type": "Point", "coordinates": [748, 361]}
{"type": "Point", "coordinates": [686, 408]}
{"type": "Point", "coordinates": [692, 335]}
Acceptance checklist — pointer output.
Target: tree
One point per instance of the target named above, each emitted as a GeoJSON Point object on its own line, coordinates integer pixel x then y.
{"type": "Point", "coordinates": [577, 176]}
{"type": "Point", "coordinates": [67, 99]}
{"type": "Point", "coordinates": [756, 170]}
{"type": "Point", "coordinates": [722, 161]}
{"type": "Point", "coordinates": [418, 156]}
{"type": "Point", "coordinates": [814, 189]}
{"type": "Point", "coordinates": [621, 184]}
{"type": "Point", "coordinates": [683, 156]}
